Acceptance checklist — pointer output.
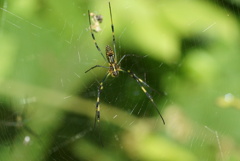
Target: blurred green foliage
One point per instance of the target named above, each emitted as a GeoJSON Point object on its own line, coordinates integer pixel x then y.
{"type": "Point", "coordinates": [186, 50]}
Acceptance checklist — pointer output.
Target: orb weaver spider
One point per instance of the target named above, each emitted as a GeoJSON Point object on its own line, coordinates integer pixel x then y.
{"type": "Point", "coordinates": [114, 69]}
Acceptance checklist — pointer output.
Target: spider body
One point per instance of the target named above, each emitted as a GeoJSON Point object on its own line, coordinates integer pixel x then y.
{"type": "Point", "coordinates": [114, 69]}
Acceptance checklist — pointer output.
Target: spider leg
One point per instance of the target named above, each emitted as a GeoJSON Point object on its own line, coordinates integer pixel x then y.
{"type": "Point", "coordinates": [93, 37]}
{"type": "Point", "coordinates": [141, 83]}
{"type": "Point", "coordinates": [100, 88]}
{"type": "Point", "coordinates": [112, 27]}
{"type": "Point", "coordinates": [144, 83]}
{"type": "Point", "coordinates": [96, 67]}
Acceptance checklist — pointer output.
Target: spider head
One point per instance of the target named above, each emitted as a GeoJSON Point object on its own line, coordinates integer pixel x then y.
{"type": "Point", "coordinates": [114, 73]}
{"type": "Point", "coordinates": [114, 70]}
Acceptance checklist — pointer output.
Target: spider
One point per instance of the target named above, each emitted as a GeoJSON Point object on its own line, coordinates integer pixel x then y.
{"type": "Point", "coordinates": [114, 69]}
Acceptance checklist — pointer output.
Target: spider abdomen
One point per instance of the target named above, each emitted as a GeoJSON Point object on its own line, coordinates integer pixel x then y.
{"type": "Point", "coordinates": [110, 55]}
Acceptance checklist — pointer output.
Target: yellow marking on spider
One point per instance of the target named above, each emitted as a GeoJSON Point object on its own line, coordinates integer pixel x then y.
{"type": "Point", "coordinates": [140, 80]}
{"type": "Point", "coordinates": [144, 90]}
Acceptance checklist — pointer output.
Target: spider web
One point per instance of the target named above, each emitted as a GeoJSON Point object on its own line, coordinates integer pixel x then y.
{"type": "Point", "coordinates": [186, 51]}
